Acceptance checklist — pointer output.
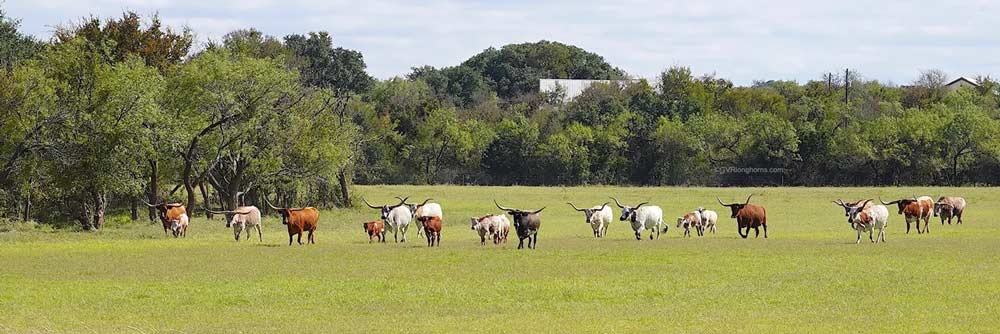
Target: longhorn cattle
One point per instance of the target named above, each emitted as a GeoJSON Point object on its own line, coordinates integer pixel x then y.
{"type": "Point", "coordinates": [375, 230]}
{"type": "Point", "coordinates": [948, 207]}
{"type": "Point", "coordinates": [242, 219]}
{"type": "Point", "coordinates": [423, 210]}
{"type": "Point", "coordinates": [432, 229]}
{"type": "Point", "coordinates": [526, 224]}
{"type": "Point", "coordinates": [299, 221]}
{"type": "Point", "coordinates": [599, 217]}
{"type": "Point", "coordinates": [396, 217]}
{"type": "Point", "coordinates": [708, 218]}
{"type": "Point", "coordinates": [643, 217]}
{"type": "Point", "coordinates": [748, 216]}
{"type": "Point", "coordinates": [847, 206]}
{"type": "Point", "coordinates": [864, 216]}
{"type": "Point", "coordinates": [914, 210]}
{"type": "Point", "coordinates": [169, 213]}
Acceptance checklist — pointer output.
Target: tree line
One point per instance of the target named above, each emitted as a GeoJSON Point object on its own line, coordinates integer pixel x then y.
{"type": "Point", "coordinates": [111, 113]}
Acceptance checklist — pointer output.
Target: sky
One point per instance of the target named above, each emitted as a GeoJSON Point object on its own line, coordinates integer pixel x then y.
{"type": "Point", "coordinates": [887, 40]}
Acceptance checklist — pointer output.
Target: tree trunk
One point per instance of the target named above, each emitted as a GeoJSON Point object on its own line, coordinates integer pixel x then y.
{"type": "Point", "coordinates": [189, 188]}
{"type": "Point", "coordinates": [84, 215]}
{"type": "Point", "coordinates": [205, 199]}
{"type": "Point", "coordinates": [153, 188]}
{"type": "Point", "coordinates": [26, 213]}
{"type": "Point", "coordinates": [100, 204]}
{"type": "Point", "coordinates": [344, 192]}
{"type": "Point", "coordinates": [134, 203]}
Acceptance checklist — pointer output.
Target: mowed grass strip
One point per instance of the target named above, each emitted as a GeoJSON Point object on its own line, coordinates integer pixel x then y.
{"type": "Point", "coordinates": [809, 276]}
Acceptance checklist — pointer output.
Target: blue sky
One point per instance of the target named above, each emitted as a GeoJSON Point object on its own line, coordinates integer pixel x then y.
{"type": "Point", "coordinates": [890, 40]}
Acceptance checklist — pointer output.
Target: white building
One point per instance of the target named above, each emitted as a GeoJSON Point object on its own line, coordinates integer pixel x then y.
{"type": "Point", "coordinates": [573, 87]}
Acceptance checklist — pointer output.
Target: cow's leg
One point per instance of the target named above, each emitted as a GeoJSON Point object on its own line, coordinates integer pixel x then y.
{"type": "Point", "coordinates": [290, 239]}
{"type": "Point", "coordinates": [927, 224]}
{"type": "Point", "coordinates": [638, 235]}
{"type": "Point", "coordinates": [395, 233]}
{"type": "Point", "coordinates": [299, 239]}
{"type": "Point", "coordinates": [859, 236]}
{"type": "Point", "coordinates": [403, 232]}
{"type": "Point", "coordinates": [959, 214]}
{"type": "Point", "coordinates": [907, 226]}
{"type": "Point", "coordinates": [260, 234]}
{"type": "Point", "coordinates": [534, 241]}
{"type": "Point", "coordinates": [482, 240]}
{"type": "Point", "coordinates": [236, 233]}
{"type": "Point", "coordinates": [520, 243]}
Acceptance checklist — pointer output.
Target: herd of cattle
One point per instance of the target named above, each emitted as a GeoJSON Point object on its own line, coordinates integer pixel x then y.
{"type": "Point", "coordinates": [862, 215]}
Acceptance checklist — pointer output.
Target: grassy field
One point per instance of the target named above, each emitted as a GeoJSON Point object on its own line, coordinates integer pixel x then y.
{"type": "Point", "coordinates": [808, 277]}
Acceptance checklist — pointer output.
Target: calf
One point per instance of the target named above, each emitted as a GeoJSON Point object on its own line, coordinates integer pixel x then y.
{"type": "Point", "coordinates": [299, 221]}
{"type": "Point", "coordinates": [432, 229]}
{"type": "Point", "coordinates": [914, 210]}
{"type": "Point", "coordinates": [691, 219]}
{"type": "Point", "coordinates": [494, 227]}
{"type": "Point", "coordinates": [948, 207]}
{"type": "Point", "coordinates": [526, 224]}
{"type": "Point", "coordinates": [375, 230]}
{"type": "Point", "coordinates": [708, 218]}
{"type": "Point", "coordinates": [748, 216]}
{"type": "Point", "coordinates": [180, 226]}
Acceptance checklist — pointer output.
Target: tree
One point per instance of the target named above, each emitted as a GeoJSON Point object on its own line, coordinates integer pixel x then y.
{"type": "Point", "coordinates": [116, 40]}
{"type": "Point", "coordinates": [14, 45]}
{"type": "Point", "coordinates": [514, 69]}
{"type": "Point", "coordinates": [324, 66]}
{"type": "Point", "coordinates": [97, 149]}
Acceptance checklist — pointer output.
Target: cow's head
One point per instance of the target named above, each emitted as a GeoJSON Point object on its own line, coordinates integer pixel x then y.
{"type": "Point", "coordinates": [940, 207]}
{"type": "Point", "coordinates": [385, 208]}
{"type": "Point", "coordinates": [901, 204]}
{"type": "Point", "coordinates": [284, 212]}
{"type": "Point", "coordinates": [735, 207]}
{"type": "Point", "coordinates": [589, 212]}
{"type": "Point", "coordinates": [628, 212]}
{"type": "Point", "coordinates": [521, 217]}
{"type": "Point", "coordinates": [853, 210]}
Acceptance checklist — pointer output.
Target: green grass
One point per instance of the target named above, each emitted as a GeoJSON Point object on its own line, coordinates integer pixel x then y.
{"type": "Point", "coordinates": [808, 277]}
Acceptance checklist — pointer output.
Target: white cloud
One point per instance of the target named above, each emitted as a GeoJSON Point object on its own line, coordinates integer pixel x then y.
{"type": "Point", "coordinates": [743, 40]}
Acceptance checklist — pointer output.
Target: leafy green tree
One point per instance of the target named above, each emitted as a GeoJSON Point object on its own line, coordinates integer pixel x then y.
{"type": "Point", "coordinates": [14, 45]}
{"type": "Point", "coordinates": [511, 157]}
{"type": "Point", "coordinates": [98, 148]}
{"type": "Point", "coordinates": [514, 69]}
{"type": "Point", "coordinates": [322, 65]}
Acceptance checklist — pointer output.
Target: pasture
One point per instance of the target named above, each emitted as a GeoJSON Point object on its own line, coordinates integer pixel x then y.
{"type": "Point", "coordinates": [808, 277]}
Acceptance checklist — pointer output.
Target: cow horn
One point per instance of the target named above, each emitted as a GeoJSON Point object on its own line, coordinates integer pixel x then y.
{"type": "Point", "coordinates": [914, 197]}
{"type": "Point", "coordinates": [401, 202]}
{"type": "Point", "coordinates": [404, 200]}
{"type": "Point", "coordinates": [640, 204]}
{"type": "Point", "coordinates": [425, 201]}
{"type": "Point", "coordinates": [865, 203]}
{"type": "Point", "coordinates": [539, 210]}
{"type": "Point", "coordinates": [884, 203]}
{"type": "Point", "coordinates": [574, 207]}
{"type": "Point", "coordinates": [501, 207]}
{"type": "Point", "coordinates": [272, 205]}
{"type": "Point", "coordinates": [721, 203]}
{"type": "Point", "coordinates": [218, 212]}
{"type": "Point", "coordinates": [603, 206]}
{"type": "Point", "coordinates": [840, 202]}
{"type": "Point", "coordinates": [618, 203]}
{"type": "Point", "coordinates": [748, 199]}
{"type": "Point", "coordinates": [369, 205]}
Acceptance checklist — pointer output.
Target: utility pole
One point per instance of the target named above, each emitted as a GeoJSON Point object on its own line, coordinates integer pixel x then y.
{"type": "Point", "coordinates": [847, 85]}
